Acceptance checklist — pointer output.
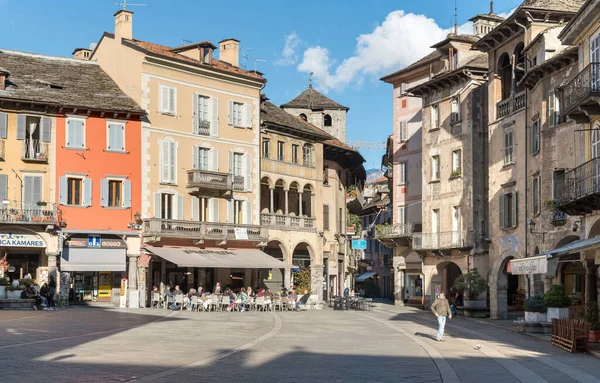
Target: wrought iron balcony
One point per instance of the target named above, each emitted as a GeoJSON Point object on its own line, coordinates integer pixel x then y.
{"type": "Point", "coordinates": [203, 127]}
{"type": "Point", "coordinates": [158, 227]}
{"type": "Point", "coordinates": [510, 105]}
{"type": "Point", "coordinates": [34, 150]}
{"type": "Point", "coordinates": [286, 222]}
{"type": "Point", "coordinates": [578, 95]}
{"type": "Point", "coordinates": [580, 191]}
{"type": "Point", "coordinates": [24, 213]}
{"type": "Point", "coordinates": [446, 240]}
{"type": "Point", "coordinates": [394, 231]}
{"type": "Point", "coordinates": [202, 181]}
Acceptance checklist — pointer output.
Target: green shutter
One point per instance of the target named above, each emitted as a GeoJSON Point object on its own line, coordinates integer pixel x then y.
{"type": "Point", "coordinates": [501, 211]}
{"type": "Point", "coordinates": [515, 209]}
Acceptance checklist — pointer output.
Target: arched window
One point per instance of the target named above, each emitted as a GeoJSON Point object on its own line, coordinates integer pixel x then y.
{"type": "Point", "coordinates": [327, 120]}
{"type": "Point", "coordinates": [303, 116]}
{"type": "Point", "coordinates": [519, 66]}
{"type": "Point", "coordinates": [504, 70]}
{"type": "Point", "coordinates": [308, 155]}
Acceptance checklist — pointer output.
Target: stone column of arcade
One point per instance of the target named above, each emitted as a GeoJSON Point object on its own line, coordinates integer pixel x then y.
{"type": "Point", "coordinates": [133, 254]}
{"type": "Point", "coordinates": [316, 280]}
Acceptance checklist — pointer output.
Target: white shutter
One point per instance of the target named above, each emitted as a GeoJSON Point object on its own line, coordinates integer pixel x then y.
{"type": "Point", "coordinates": [248, 115]}
{"type": "Point", "coordinates": [230, 112]}
{"type": "Point", "coordinates": [214, 123]}
{"type": "Point", "coordinates": [195, 162]}
{"type": "Point", "coordinates": [247, 172]}
{"type": "Point", "coordinates": [157, 205]}
{"type": "Point", "coordinates": [21, 130]}
{"type": "Point", "coordinates": [3, 124]}
{"type": "Point", "coordinates": [37, 189]}
{"type": "Point", "coordinates": [28, 191]}
{"type": "Point", "coordinates": [172, 162]}
{"type": "Point", "coordinates": [195, 208]}
{"type": "Point", "coordinates": [248, 212]}
{"type": "Point", "coordinates": [126, 193]}
{"type": "Point", "coordinates": [195, 116]}
{"type": "Point", "coordinates": [63, 190]}
{"type": "Point", "coordinates": [172, 100]}
{"type": "Point", "coordinates": [213, 210]}
{"type": "Point", "coordinates": [104, 193]}
{"type": "Point", "coordinates": [70, 133]}
{"type": "Point", "coordinates": [87, 191]}
{"type": "Point", "coordinates": [213, 160]}
{"type": "Point", "coordinates": [164, 161]}
{"type": "Point", "coordinates": [46, 129]}
{"type": "Point", "coordinates": [3, 185]}
{"type": "Point", "coordinates": [230, 211]}
{"type": "Point", "coordinates": [230, 162]}
{"type": "Point", "coordinates": [179, 207]}
{"type": "Point", "coordinates": [164, 99]}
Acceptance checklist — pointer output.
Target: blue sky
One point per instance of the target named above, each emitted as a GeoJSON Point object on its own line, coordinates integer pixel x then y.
{"type": "Point", "coordinates": [348, 44]}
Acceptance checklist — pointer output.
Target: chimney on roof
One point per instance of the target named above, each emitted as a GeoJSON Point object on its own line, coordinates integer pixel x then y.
{"type": "Point", "coordinates": [82, 53]}
{"type": "Point", "coordinates": [229, 51]}
{"type": "Point", "coordinates": [123, 25]}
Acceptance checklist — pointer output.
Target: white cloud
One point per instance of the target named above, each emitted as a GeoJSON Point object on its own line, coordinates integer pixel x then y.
{"type": "Point", "coordinates": [288, 55]}
{"type": "Point", "coordinates": [401, 39]}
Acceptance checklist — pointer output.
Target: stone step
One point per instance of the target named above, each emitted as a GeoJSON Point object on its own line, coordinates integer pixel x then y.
{"type": "Point", "coordinates": [17, 304]}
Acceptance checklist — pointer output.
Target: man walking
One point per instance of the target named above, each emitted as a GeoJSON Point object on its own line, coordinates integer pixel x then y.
{"type": "Point", "coordinates": [441, 309]}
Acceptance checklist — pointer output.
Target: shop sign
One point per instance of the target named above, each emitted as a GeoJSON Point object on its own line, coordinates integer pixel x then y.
{"type": "Point", "coordinates": [359, 244]}
{"type": "Point", "coordinates": [533, 265]}
{"type": "Point", "coordinates": [96, 242]}
{"type": "Point", "coordinates": [123, 293]}
{"type": "Point", "coordinates": [241, 233]}
{"type": "Point", "coordinates": [21, 240]}
{"type": "Point", "coordinates": [93, 241]}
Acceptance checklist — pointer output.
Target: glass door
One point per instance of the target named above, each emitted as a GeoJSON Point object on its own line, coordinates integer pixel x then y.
{"type": "Point", "coordinates": [595, 168]}
{"type": "Point", "coordinates": [595, 63]}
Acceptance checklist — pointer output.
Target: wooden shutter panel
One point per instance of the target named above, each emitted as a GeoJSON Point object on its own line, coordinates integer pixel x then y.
{"type": "Point", "coordinates": [157, 205]}
{"type": "Point", "coordinates": [164, 99]}
{"type": "Point", "coordinates": [195, 208]}
{"type": "Point", "coordinates": [165, 156]}
{"type": "Point", "coordinates": [325, 217]}
{"type": "Point", "coordinates": [46, 129]}
{"type": "Point", "coordinates": [248, 172]}
{"type": "Point", "coordinates": [173, 162]}
{"type": "Point", "coordinates": [195, 116]}
{"type": "Point", "coordinates": [104, 193]}
{"type": "Point", "coordinates": [80, 133]}
{"type": "Point", "coordinates": [230, 211]}
{"type": "Point", "coordinates": [213, 210]}
{"type": "Point", "coordinates": [515, 209]}
{"type": "Point", "coordinates": [195, 160]}
{"type": "Point", "coordinates": [230, 113]}
{"type": "Point", "coordinates": [248, 115]}
{"type": "Point", "coordinates": [87, 191]}
{"type": "Point", "coordinates": [214, 123]}
{"type": "Point", "coordinates": [63, 186]}
{"type": "Point", "coordinates": [21, 127]}
{"type": "Point", "coordinates": [172, 100]}
{"type": "Point", "coordinates": [248, 212]}
{"type": "Point", "coordinates": [126, 193]}
{"type": "Point", "coordinates": [231, 162]}
{"type": "Point", "coordinates": [551, 108]}
{"type": "Point", "coordinates": [179, 206]}
{"type": "Point", "coordinates": [501, 210]}
{"type": "Point", "coordinates": [3, 187]}
{"type": "Point", "coordinates": [37, 189]}
{"type": "Point", "coordinates": [3, 124]}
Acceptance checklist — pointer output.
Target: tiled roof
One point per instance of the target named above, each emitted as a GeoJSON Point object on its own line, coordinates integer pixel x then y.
{"type": "Point", "coordinates": [452, 37]}
{"type": "Point", "coordinates": [490, 16]}
{"type": "Point", "coordinates": [433, 56]}
{"type": "Point", "coordinates": [271, 114]}
{"type": "Point", "coordinates": [311, 99]}
{"type": "Point", "coordinates": [62, 81]}
{"type": "Point", "coordinates": [171, 53]}
{"type": "Point", "coordinates": [556, 5]}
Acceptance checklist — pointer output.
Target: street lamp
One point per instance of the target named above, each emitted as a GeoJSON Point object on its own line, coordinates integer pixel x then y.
{"type": "Point", "coordinates": [531, 224]}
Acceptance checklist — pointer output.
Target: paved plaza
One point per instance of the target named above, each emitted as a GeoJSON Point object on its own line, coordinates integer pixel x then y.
{"type": "Point", "coordinates": [388, 344]}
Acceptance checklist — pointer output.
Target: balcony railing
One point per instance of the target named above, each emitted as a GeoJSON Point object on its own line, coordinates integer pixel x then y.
{"type": "Point", "coordinates": [286, 222]}
{"type": "Point", "coordinates": [510, 105]}
{"type": "Point", "coordinates": [442, 240]}
{"type": "Point", "coordinates": [203, 230]}
{"type": "Point", "coordinates": [23, 213]}
{"type": "Point", "coordinates": [581, 191]}
{"type": "Point", "coordinates": [34, 150]}
{"type": "Point", "coordinates": [205, 179]}
{"type": "Point", "coordinates": [394, 231]}
{"type": "Point", "coordinates": [282, 167]}
{"type": "Point", "coordinates": [203, 128]}
{"type": "Point", "coordinates": [586, 83]}
{"type": "Point", "coordinates": [238, 183]}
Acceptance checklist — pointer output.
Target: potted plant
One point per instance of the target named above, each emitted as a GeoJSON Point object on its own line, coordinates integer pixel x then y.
{"type": "Point", "coordinates": [471, 285]}
{"type": "Point", "coordinates": [13, 292]}
{"type": "Point", "coordinates": [42, 203]}
{"type": "Point", "coordinates": [535, 309]}
{"type": "Point", "coordinates": [592, 316]}
{"type": "Point", "coordinates": [557, 303]}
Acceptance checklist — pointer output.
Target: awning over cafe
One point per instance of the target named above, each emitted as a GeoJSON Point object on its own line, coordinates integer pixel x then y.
{"type": "Point", "coordinates": [365, 276]}
{"type": "Point", "coordinates": [85, 259]}
{"type": "Point", "coordinates": [531, 265]}
{"type": "Point", "coordinates": [216, 258]}
{"type": "Point", "coordinates": [574, 247]}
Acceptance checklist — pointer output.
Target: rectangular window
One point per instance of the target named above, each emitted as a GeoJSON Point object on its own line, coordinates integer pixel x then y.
{"type": "Point", "coordinates": [402, 215]}
{"type": "Point", "coordinates": [74, 191]}
{"type": "Point", "coordinates": [295, 153]}
{"type": "Point", "coordinates": [168, 100]}
{"type": "Point", "coordinates": [456, 163]}
{"type": "Point", "coordinates": [115, 190]}
{"type": "Point", "coordinates": [307, 155]}
{"type": "Point", "coordinates": [201, 158]}
{"type": "Point", "coordinates": [32, 191]}
{"type": "Point", "coordinates": [553, 108]}
{"type": "Point", "coordinates": [168, 162]}
{"type": "Point", "coordinates": [326, 175]}
{"type": "Point", "coordinates": [558, 184]}
{"type": "Point", "coordinates": [535, 195]}
{"type": "Point", "coordinates": [266, 143]}
{"type": "Point", "coordinates": [115, 137]}
{"type": "Point", "coordinates": [435, 168]}
{"type": "Point", "coordinates": [508, 210]}
{"type": "Point", "coordinates": [535, 136]}
{"type": "Point", "coordinates": [435, 116]}
{"type": "Point", "coordinates": [237, 164]}
{"type": "Point", "coordinates": [75, 133]}
{"type": "Point", "coordinates": [238, 114]}
{"type": "Point", "coordinates": [280, 150]}
{"type": "Point", "coordinates": [403, 128]}
{"type": "Point", "coordinates": [202, 115]}
{"type": "Point", "coordinates": [455, 110]}
{"type": "Point", "coordinates": [325, 217]}
{"type": "Point", "coordinates": [508, 146]}
{"type": "Point", "coordinates": [402, 173]}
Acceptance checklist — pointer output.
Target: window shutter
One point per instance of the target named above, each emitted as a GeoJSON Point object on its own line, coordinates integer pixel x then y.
{"type": "Point", "coordinates": [3, 187]}
{"type": "Point", "coordinates": [403, 131]}
{"type": "Point", "coordinates": [195, 208]}
{"type": "Point", "coordinates": [231, 162]}
{"type": "Point", "coordinates": [230, 112]}
{"type": "Point", "coordinates": [213, 210]}
{"type": "Point", "coordinates": [87, 191]}
{"type": "Point", "coordinates": [195, 116]}
{"type": "Point", "coordinates": [79, 133]}
{"type": "Point", "coordinates": [179, 206]}
{"type": "Point", "coordinates": [126, 193]}
{"type": "Point", "coordinates": [230, 211]}
{"type": "Point", "coordinates": [214, 123]}
{"type": "Point", "coordinates": [104, 193]}
{"type": "Point", "coordinates": [164, 99]}
{"type": "Point", "coordinates": [37, 189]}
{"type": "Point", "coordinates": [515, 209]}
{"type": "Point", "coordinates": [46, 129]}
{"type": "Point", "coordinates": [325, 217]}
{"type": "Point", "coordinates": [213, 156]}
{"type": "Point", "coordinates": [248, 172]}
{"type": "Point", "coordinates": [172, 100]}
{"type": "Point", "coordinates": [165, 156]}
{"type": "Point", "coordinates": [62, 190]}
{"type": "Point", "coordinates": [248, 115]}
{"type": "Point", "coordinates": [248, 212]}
{"type": "Point", "coordinates": [172, 162]}
{"type": "Point", "coordinates": [27, 190]}
{"type": "Point", "coordinates": [551, 108]}
{"type": "Point", "coordinates": [157, 205]}
{"type": "Point", "coordinates": [20, 127]}
{"type": "Point", "coordinates": [501, 211]}
{"type": "Point", "coordinates": [111, 137]}
{"type": "Point", "coordinates": [195, 160]}
{"type": "Point", "coordinates": [3, 124]}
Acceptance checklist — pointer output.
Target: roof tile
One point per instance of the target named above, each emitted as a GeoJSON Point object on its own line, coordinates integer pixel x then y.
{"type": "Point", "coordinates": [312, 99]}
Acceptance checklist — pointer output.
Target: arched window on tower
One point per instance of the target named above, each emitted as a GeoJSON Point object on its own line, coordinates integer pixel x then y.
{"type": "Point", "coordinates": [504, 69]}
{"type": "Point", "coordinates": [327, 120]}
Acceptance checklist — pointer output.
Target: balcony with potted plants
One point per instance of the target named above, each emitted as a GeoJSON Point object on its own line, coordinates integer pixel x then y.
{"type": "Point", "coordinates": [41, 213]}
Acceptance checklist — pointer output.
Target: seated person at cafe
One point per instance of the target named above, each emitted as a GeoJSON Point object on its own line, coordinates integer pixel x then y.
{"type": "Point", "coordinates": [303, 299]}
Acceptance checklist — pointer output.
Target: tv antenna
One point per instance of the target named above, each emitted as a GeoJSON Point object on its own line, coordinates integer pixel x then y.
{"type": "Point", "coordinates": [258, 60]}
{"type": "Point", "coordinates": [456, 17]}
{"type": "Point", "coordinates": [185, 42]}
{"type": "Point", "coordinates": [245, 56]}
{"type": "Point", "coordinates": [124, 4]}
